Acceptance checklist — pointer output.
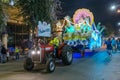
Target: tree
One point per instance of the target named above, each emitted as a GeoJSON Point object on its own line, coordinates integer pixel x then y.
{"type": "Point", "coordinates": [2, 19]}
{"type": "Point", "coordinates": [110, 30]}
{"type": "Point", "coordinates": [3, 23]}
{"type": "Point", "coordinates": [39, 10]}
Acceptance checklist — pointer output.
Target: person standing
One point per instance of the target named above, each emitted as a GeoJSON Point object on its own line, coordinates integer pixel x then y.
{"type": "Point", "coordinates": [30, 44]}
{"type": "Point", "coordinates": [0, 43]}
{"type": "Point", "coordinates": [17, 53]}
{"type": "Point", "coordinates": [114, 44]}
{"type": "Point", "coordinates": [8, 55]}
{"type": "Point", "coordinates": [3, 54]}
{"type": "Point", "coordinates": [118, 44]}
{"type": "Point", "coordinates": [109, 46]}
{"type": "Point", "coordinates": [0, 49]}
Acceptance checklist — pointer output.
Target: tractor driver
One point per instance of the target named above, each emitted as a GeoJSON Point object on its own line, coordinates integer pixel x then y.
{"type": "Point", "coordinates": [55, 41]}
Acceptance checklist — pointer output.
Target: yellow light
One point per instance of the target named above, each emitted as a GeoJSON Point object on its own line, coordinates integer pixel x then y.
{"type": "Point", "coordinates": [118, 11]}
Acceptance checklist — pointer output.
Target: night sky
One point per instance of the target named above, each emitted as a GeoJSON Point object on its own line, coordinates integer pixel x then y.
{"type": "Point", "coordinates": [100, 9]}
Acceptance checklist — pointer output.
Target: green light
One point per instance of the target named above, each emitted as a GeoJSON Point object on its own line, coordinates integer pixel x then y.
{"type": "Point", "coordinates": [70, 29]}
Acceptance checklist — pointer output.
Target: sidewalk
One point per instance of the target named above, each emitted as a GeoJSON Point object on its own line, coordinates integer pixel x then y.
{"type": "Point", "coordinates": [13, 59]}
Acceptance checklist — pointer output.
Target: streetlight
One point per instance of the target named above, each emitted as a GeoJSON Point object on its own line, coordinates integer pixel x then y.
{"type": "Point", "coordinates": [118, 11]}
{"type": "Point", "coordinates": [118, 24]}
{"type": "Point", "coordinates": [113, 7]}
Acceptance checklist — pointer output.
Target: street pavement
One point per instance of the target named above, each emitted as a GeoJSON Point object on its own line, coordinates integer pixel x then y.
{"type": "Point", "coordinates": [100, 66]}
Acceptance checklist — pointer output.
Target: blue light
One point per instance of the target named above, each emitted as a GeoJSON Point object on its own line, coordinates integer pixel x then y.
{"type": "Point", "coordinates": [70, 29]}
{"type": "Point", "coordinates": [77, 55]}
{"type": "Point", "coordinates": [87, 54]}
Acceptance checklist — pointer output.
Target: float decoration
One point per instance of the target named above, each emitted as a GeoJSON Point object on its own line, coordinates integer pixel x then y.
{"type": "Point", "coordinates": [44, 29]}
{"type": "Point", "coordinates": [82, 13]}
{"type": "Point", "coordinates": [82, 31]}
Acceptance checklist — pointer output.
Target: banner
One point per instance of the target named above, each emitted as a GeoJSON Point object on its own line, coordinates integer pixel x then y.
{"type": "Point", "coordinates": [44, 29]}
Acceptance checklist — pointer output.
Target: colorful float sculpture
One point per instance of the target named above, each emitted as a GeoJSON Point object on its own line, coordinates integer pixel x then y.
{"type": "Point", "coordinates": [81, 30]}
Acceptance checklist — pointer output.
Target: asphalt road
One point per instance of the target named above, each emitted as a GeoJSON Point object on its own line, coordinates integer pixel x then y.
{"type": "Point", "coordinates": [98, 67]}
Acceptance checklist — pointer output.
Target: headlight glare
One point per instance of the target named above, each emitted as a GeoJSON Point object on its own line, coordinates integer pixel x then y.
{"type": "Point", "coordinates": [33, 52]}
{"type": "Point", "coordinates": [38, 52]}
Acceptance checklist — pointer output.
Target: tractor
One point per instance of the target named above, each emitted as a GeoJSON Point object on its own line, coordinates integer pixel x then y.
{"type": "Point", "coordinates": [43, 54]}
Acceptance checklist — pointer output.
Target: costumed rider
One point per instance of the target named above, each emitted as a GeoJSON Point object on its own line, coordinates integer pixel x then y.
{"type": "Point", "coordinates": [69, 30]}
{"type": "Point", "coordinates": [55, 41]}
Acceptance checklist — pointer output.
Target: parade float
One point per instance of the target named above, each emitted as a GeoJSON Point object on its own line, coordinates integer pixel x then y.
{"type": "Point", "coordinates": [76, 33]}
{"type": "Point", "coordinates": [81, 30]}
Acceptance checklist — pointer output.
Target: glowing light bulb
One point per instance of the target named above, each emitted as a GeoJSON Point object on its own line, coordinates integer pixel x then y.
{"type": "Point", "coordinates": [11, 2]}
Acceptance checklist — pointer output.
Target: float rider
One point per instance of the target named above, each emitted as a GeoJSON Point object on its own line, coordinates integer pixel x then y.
{"type": "Point", "coordinates": [55, 41]}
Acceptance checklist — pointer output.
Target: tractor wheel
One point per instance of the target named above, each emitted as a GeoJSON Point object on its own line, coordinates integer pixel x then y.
{"type": "Point", "coordinates": [50, 65]}
{"type": "Point", "coordinates": [67, 56]}
{"type": "Point", "coordinates": [28, 64]}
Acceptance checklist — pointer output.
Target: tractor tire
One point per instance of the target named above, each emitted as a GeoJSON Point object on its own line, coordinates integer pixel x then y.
{"type": "Point", "coordinates": [50, 65]}
{"type": "Point", "coordinates": [28, 64]}
{"type": "Point", "coordinates": [67, 56]}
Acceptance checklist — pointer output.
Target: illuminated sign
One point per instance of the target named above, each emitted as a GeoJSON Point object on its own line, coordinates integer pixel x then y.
{"type": "Point", "coordinates": [44, 29]}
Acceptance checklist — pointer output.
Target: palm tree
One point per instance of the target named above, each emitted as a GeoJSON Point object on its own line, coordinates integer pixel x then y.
{"type": "Point", "coordinates": [109, 30]}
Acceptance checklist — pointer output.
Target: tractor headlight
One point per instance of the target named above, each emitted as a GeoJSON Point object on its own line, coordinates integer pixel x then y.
{"type": "Point", "coordinates": [33, 52]}
{"type": "Point", "coordinates": [38, 52]}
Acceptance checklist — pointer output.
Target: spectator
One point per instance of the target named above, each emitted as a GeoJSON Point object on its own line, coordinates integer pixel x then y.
{"type": "Point", "coordinates": [3, 54]}
{"type": "Point", "coordinates": [118, 44]}
{"type": "Point", "coordinates": [8, 55]}
{"type": "Point", "coordinates": [0, 43]}
{"type": "Point", "coordinates": [17, 53]}
{"type": "Point", "coordinates": [109, 46]}
{"type": "Point", "coordinates": [114, 44]}
{"type": "Point", "coordinates": [30, 44]}
{"type": "Point", "coordinates": [0, 48]}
